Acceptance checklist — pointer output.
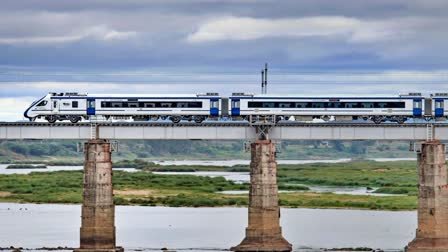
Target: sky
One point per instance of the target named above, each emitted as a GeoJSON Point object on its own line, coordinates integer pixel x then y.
{"type": "Point", "coordinates": [176, 46]}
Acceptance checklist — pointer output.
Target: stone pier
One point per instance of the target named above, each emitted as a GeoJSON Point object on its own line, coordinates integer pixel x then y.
{"type": "Point", "coordinates": [98, 209]}
{"type": "Point", "coordinates": [264, 232]}
{"type": "Point", "coordinates": [432, 231]}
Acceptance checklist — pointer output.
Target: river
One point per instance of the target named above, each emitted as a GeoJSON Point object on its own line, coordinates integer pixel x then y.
{"type": "Point", "coordinates": [199, 229]}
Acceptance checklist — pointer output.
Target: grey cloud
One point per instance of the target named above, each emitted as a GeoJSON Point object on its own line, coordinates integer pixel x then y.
{"type": "Point", "coordinates": [154, 35]}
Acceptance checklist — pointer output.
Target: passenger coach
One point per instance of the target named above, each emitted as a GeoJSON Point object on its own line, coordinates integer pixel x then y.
{"type": "Point", "coordinates": [377, 109]}
{"type": "Point", "coordinates": [74, 107]}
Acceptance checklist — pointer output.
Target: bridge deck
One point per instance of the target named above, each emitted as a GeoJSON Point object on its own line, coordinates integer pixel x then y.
{"type": "Point", "coordinates": [223, 131]}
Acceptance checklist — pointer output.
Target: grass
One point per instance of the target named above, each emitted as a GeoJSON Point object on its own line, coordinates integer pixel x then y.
{"type": "Point", "coordinates": [145, 188]}
{"type": "Point", "coordinates": [399, 177]}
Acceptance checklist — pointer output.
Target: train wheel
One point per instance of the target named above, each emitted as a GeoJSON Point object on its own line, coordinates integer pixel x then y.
{"type": "Point", "coordinates": [51, 119]}
{"type": "Point", "coordinates": [198, 119]}
{"type": "Point", "coordinates": [175, 119]}
{"type": "Point", "coordinates": [377, 119]}
{"type": "Point", "coordinates": [401, 120]}
{"type": "Point", "coordinates": [74, 119]}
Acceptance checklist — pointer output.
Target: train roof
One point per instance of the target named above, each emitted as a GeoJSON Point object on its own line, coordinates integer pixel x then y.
{"type": "Point", "coordinates": [301, 96]}
{"type": "Point", "coordinates": [83, 95]}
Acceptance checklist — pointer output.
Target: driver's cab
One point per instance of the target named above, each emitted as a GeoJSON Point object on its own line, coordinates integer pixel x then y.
{"type": "Point", "coordinates": [42, 106]}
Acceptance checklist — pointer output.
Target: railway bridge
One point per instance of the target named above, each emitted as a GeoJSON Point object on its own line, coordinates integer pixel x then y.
{"type": "Point", "coordinates": [263, 232]}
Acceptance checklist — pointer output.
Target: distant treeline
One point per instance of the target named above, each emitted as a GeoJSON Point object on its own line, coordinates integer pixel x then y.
{"type": "Point", "coordinates": [189, 149]}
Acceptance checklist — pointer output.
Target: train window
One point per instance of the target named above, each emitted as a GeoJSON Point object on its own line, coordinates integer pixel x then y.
{"type": "Point", "coordinates": [42, 103]}
{"type": "Point", "coordinates": [117, 104]}
{"type": "Point", "coordinates": [301, 104]}
{"type": "Point", "coordinates": [334, 104]}
{"type": "Point", "coordinates": [439, 104]}
{"type": "Point", "coordinates": [150, 105]}
{"type": "Point", "coordinates": [182, 105]}
{"type": "Point", "coordinates": [74, 104]}
{"type": "Point", "coordinates": [317, 105]}
{"type": "Point", "coordinates": [268, 104]}
{"type": "Point", "coordinates": [251, 104]}
{"type": "Point", "coordinates": [351, 104]}
{"type": "Point", "coordinates": [397, 105]}
{"type": "Point", "coordinates": [381, 105]}
{"type": "Point", "coordinates": [132, 104]}
{"type": "Point", "coordinates": [235, 104]}
{"type": "Point", "coordinates": [55, 104]}
{"type": "Point", "coordinates": [367, 105]}
{"type": "Point", "coordinates": [91, 104]}
{"type": "Point", "coordinates": [106, 104]}
{"type": "Point", "coordinates": [198, 104]}
{"type": "Point", "coordinates": [284, 105]}
{"type": "Point", "coordinates": [166, 105]}
{"type": "Point", "coordinates": [214, 104]}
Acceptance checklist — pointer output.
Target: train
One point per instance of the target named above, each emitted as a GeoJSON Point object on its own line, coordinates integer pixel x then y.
{"type": "Point", "coordinates": [75, 107]}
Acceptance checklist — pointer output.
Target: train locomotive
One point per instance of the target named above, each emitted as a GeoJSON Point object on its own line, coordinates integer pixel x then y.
{"type": "Point", "coordinates": [75, 107]}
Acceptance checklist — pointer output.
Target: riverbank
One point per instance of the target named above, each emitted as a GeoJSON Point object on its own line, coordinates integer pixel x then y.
{"type": "Point", "coordinates": [148, 189]}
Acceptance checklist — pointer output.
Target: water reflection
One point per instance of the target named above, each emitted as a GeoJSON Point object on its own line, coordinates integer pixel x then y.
{"type": "Point", "coordinates": [205, 228]}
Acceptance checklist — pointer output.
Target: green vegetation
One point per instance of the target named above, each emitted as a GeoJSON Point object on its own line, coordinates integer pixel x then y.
{"type": "Point", "coordinates": [398, 177]}
{"type": "Point", "coordinates": [143, 188]}
{"type": "Point", "coordinates": [136, 163]}
{"type": "Point", "coordinates": [25, 166]}
{"type": "Point", "coordinates": [146, 188]}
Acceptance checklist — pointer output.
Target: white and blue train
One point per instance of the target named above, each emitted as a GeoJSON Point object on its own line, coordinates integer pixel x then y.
{"type": "Point", "coordinates": [240, 106]}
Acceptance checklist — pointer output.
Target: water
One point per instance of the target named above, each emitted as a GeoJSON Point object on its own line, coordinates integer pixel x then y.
{"type": "Point", "coordinates": [246, 162]}
{"type": "Point", "coordinates": [3, 169]}
{"type": "Point", "coordinates": [332, 189]}
{"type": "Point", "coordinates": [231, 163]}
{"type": "Point", "coordinates": [244, 177]}
{"type": "Point", "coordinates": [148, 228]}
{"type": "Point", "coordinates": [238, 177]}
{"type": "Point", "coordinates": [228, 163]}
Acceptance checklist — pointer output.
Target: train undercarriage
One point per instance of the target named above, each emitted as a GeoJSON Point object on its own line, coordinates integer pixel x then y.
{"type": "Point", "coordinates": [377, 119]}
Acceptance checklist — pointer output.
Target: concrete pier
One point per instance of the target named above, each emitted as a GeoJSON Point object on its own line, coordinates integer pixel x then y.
{"type": "Point", "coordinates": [432, 231]}
{"type": "Point", "coordinates": [264, 232]}
{"type": "Point", "coordinates": [98, 209]}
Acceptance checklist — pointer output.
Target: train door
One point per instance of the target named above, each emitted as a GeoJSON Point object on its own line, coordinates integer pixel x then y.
{"type": "Point", "coordinates": [417, 111]}
{"type": "Point", "coordinates": [235, 107]}
{"type": "Point", "coordinates": [439, 107]}
{"type": "Point", "coordinates": [91, 106]}
{"type": "Point", "coordinates": [214, 107]}
{"type": "Point", "coordinates": [55, 106]}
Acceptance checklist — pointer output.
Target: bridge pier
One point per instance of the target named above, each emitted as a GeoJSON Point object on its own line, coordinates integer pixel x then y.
{"type": "Point", "coordinates": [264, 232]}
{"type": "Point", "coordinates": [98, 210]}
{"type": "Point", "coordinates": [432, 231]}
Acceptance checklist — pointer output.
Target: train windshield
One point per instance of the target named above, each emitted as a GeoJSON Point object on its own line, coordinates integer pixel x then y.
{"type": "Point", "coordinates": [42, 103]}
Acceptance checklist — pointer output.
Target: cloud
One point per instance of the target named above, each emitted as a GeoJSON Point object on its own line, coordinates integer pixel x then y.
{"type": "Point", "coordinates": [85, 36]}
{"type": "Point", "coordinates": [12, 108]}
{"type": "Point", "coordinates": [351, 29]}
{"type": "Point", "coordinates": [102, 33]}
